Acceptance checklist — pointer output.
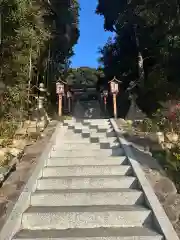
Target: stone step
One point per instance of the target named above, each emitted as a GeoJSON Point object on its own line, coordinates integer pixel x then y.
{"type": "Point", "coordinates": [99, 139]}
{"type": "Point", "coordinates": [36, 218]}
{"type": "Point", "coordinates": [70, 126]}
{"type": "Point", "coordinates": [87, 170]}
{"type": "Point", "coordinates": [94, 138]}
{"type": "Point", "coordinates": [67, 122]}
{"type": "Point", "coordinates": [83, 182]}
{"type": "Point", "coordinates": [90, 130]}
{"type": "Point", "coordinates": [106, 144]}
{"type": "Point", "coordinates": [77, 146]}
{"type": "Point", "coordinates": [97, 121]}
{"type": "Point", "coordinates": [80, 146]}
{"type": "Point", "coordinates": [75, 139]}
{"type": "Point", "coordinates": [100, 128]}
{"type": "Point", "coordinates": [104, 128]}
{"type": "Point", "coordinates": [87, 133]}
{"type": "Point", "coordinates": [97, 125]}
{"type": "Point", "coordinates": [111, 133]}
{"type": "Point", "coordinates": [100, 134]}
{"type": "Point", "coordinates": [110, 145]}
{"type": "Point", "coordinates": [62, 161]}
{"type": "Point", "coordinates": [86, 190]}
{"type": "Point", "coordinates": [71, 131]}
{"type": "Point", "coordinates": [95, 132]}
{"type": "Point", "coordinates": [79, 124]}
{"type": "Point", "coordinates": [79, 129]}
{"type": "Point", "coordinates": [86, 197]}
{"type": "Point", "coordinates": [109, 139]}
{"type": "Point", "coordinates": [128, 233]}
{"type": "Point", "coordinates": [87, 153]}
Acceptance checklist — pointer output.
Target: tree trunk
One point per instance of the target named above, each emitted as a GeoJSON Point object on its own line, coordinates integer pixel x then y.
{"type": "Point", "coordinates": [140, 59]}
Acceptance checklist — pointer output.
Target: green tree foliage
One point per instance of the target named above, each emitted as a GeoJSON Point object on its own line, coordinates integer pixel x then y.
{"type": "Point", "coordinates": [83, 75]}
{"type": "Point", "coordinates": [37, 41]}
{"type": "Point", "coordinates": [152, 29]}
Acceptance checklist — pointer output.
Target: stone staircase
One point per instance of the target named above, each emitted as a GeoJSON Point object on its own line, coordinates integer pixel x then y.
{"type": "Point", "coordinates": [87, 190]}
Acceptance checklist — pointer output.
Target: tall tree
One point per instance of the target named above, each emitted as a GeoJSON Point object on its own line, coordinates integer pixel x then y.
{"type": "Point", "coordinates": [147, 34]}
{"type": "Point", "coordinates": [37, 37]}
{"type": "Point", "coordinates": [83, 75]}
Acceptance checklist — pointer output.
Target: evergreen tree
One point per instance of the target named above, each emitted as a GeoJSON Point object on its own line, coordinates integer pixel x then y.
{"type": "Point", "coordinates": [37, 41]}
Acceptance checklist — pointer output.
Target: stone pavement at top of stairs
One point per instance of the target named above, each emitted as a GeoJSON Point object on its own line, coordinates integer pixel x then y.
{"type": "Point", "coordinates": [89, 109]}
{"type": "Point", "coordinates": [162, 185]}
{"type": "Point", "coordinates": [11, 188]}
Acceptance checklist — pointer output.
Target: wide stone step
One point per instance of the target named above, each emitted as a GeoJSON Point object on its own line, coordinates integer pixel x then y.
{"type": "Point", "coordinates": [72, 134]}
{"type": "Point", "coordinates": [98, 129]}
{"type": "Point", "coordinates": [111, 133]}
{"type": "Point", "coordinates": [83, 146]}
{"type": "Point", "coordinates": [101, 134]}
{"type": "Point", "coordinates": [109, 139]}
{"type": "Point", "coordinates": [99, 125]}
{"type": "Point", "coordinates": [98, 119]}
{"type": "Point", "coordinates": [86, 197]}
{"type": "Point", "coordinates": [99, 139]}
{"type": "Point", "coordinates": [95, 121]}
{"type": "Point", "coordinates": [86, 182]}
{"type": "Point", "coordinates": [63, 161]}
{"type": "Point", "coordinates": [104, 128]}
{"type": "Point", "coordinates": [87, 153]}
{"type": "Point", "coordinates": [84, 217]}
{"type": "Point", "coordinates": [69, 121]}
{"type": "Point", "coordinates": [80, 146]}
{"type": "Point", "coordinates": [111, 145]}
{"type": "Point", "coordinates": [79, 129]}
{"type": "Point", "coordinates": [76, 127]}
{"type": "Point", "coordinates": [86, 190]}
{"type": "Point", "coordinates": [76, 146]}
{"type": "Point", "coordinates": [87, 170]}
{"type": "Point", "coordinates": [87, 133]}
{"type": "Point", "coordinates": [128, 233]}
{"type": "Point", "coordinates": [75, 139]}
{"type": "Point", "coordinates": [90, 124]}
{"type": "Point", "coordinates": [105, 143]}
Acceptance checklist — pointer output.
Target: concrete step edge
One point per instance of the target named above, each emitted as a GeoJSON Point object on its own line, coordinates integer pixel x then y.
{"type": "Point", "coordinates": [95, 190]}
{"type": "Point", "coordinates": [86, 198]}
{"type": "Point", "coordinates": [85, 216]}
{"type": "Point", "coordinates": [87, 209]}
{"type": "Point", "coordinates": [90, 177]}
{"type": "Point", "coordinates": [85, 182]}
{"type": "Point", "coordinates": [90, 234]}
{"type": "Point", "coordinates": [92, 170]}
{"type": "Point", "coordinates": [81, 161]}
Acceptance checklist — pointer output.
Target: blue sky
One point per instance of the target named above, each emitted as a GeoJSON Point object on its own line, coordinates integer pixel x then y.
{"type": "Point", "coordinates": [92, 35]}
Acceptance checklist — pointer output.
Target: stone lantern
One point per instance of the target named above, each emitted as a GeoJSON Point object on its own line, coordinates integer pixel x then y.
{"type": "Point", "coordinates": [43, 117]}
{"type": "Point", "coordinates": [105, 95]}
{"type": "Point", "coordinates": [114, 89]}
{"type": "Point", "coordinates": [42, 95]}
